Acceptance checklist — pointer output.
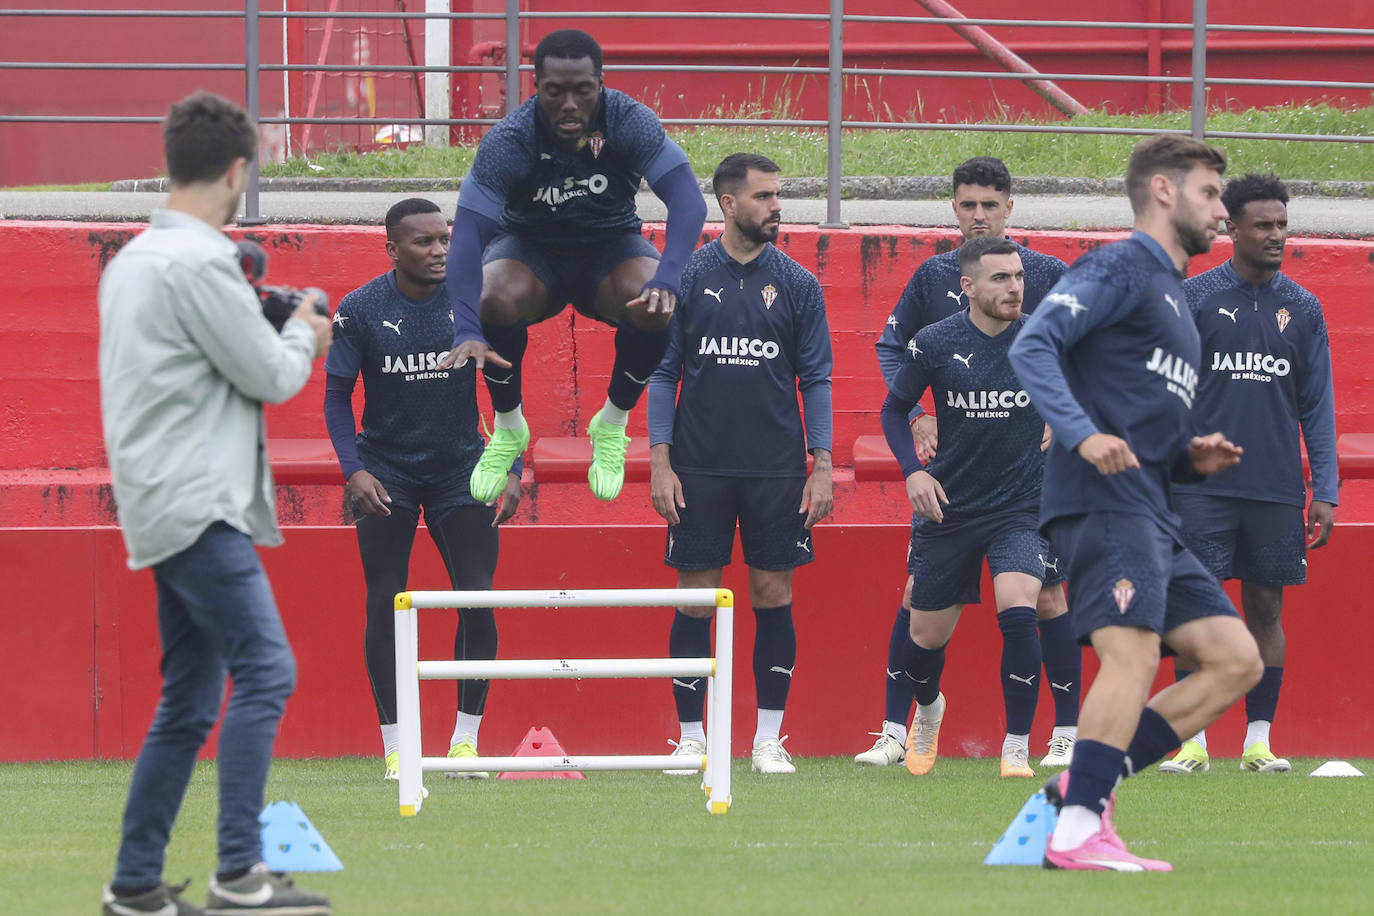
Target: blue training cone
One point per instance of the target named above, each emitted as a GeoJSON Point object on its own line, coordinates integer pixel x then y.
{"type": "Point", "coordinates": [291, 843]}
{"type": "Point", "coordinates": [1025, 839]}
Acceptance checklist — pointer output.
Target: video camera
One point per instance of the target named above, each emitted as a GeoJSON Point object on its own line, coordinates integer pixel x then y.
{"type": "Point", "coordinates": [278, 302]}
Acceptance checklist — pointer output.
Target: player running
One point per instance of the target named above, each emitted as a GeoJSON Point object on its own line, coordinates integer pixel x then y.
{"type": "Point", "coordinates": [546, 216]}
{"type": "Point", "coordinates": [751, 331]}
{"type": "Point", "coordinates": [978, 497]}
{"type": "Point", "coordinates": [982, 203]}
{"type": "Point", "coordinates": [1111, 361]}
{"type": "Point", "coordinates": [418, 444]}
{"type": "Point", "coordinates": [1266, 374]}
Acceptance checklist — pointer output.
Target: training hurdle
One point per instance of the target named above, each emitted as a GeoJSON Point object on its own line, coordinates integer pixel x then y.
{"type": "Point", "coordinates": [410, 670]}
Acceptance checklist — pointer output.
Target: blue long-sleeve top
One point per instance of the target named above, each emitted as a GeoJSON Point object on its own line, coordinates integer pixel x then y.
{"type": "Point", "coordinates": [1266, 374]}
{"type": "Point", "coordinates": [744, 340]}
{"type": "Point", "coordinates": [1113, 349]}
{"type": "Point", "coordinates": [524, 182]}
{"type": "Point", "coordinates": [989, 458]}
{"type": "Point", "coordinates": [933, 294]}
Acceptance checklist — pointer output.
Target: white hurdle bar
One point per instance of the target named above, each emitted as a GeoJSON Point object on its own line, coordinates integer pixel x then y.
{"type": "Point", "coordinates": [410, 670]}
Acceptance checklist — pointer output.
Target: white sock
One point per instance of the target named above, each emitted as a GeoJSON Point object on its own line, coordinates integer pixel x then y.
{"type": "Point", "coordinates": [391, 739]}
{"type": "Point", "coordinates": [1257, 730]}
{"type": "Point", "coordinates": [1011, 742]}
{"type": "Point", "coordinates": [693, 731]}
{"type": "Point", "coordinates": [933, 711]}
{"type": "Point", "coordinates": [770, 726]}
{"type": "Point", "coordinates": [896, 730]}
{"type": "Point", "coordinates": [1065, 731]}
{"type": "Point", "coordinates": [1076, 824]}
{"type": "Point", "coordinates": [614, 415]}
{"type": "Point", "coordinates": [1200, 738]}
{"type": "Point", "coordinates": [509, 419]}
{"type": "Point", "coordinates": [465, 729]}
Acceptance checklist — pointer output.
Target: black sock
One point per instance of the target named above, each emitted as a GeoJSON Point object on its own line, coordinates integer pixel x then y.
{"type": "Point", "coordinates": [898, 687]}
{"type": "Point", "coordinates": [925, 672]}
{"type": "Point", "coordinates": [1020, 665]}
{"type": "Point", "coordinates": [233, 875]}
{"type": "Point", "coordinates": [1093, 774]}
{"type": "Point", "coordinates": [1152, 740]}
{"type": "Point", "coordinates": [637, 354]}
{"type": "Point", "coordinates": [690, 637]}
{"type": "Point", "coordinates": [775, 655]}
{"type": "Point", "coordinates": [510, 340]}
{"type": "Point", "coordinates": [1063, 667]}
{"type": "Point", "coordinates": [1263, 699]}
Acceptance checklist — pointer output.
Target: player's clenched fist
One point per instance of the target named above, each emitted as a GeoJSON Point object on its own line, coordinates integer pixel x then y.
{"type": "Point", "coordinates": [1109, 454]}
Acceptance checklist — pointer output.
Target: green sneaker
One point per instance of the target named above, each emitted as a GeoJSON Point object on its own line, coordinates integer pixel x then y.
{"type": "Point", "coordinates": [393, 766]}
{"type": "Point", "coordinates": [489, 476]}
{"type": "Point", "coordinates": [1259, 759]}
{"type": "Point", "coordinates": [465, 749]}
{"type": "Point", "coordinates": [1191, 758]}
{"type": "Point", "coordinates": [607, 472]}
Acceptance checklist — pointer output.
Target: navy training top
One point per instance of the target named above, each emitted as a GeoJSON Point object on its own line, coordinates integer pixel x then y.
{"type": "Point", "coordinates": [745, 338]}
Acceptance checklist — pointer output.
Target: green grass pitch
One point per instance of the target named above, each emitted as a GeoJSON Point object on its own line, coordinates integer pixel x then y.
{"type": "Point", "coordinates": [832, 839]}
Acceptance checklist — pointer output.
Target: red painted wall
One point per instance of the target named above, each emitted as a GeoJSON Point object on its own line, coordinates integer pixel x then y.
{"type": "Point", "coordinates": [82, 676]}
{"type": "Point", "coordinates": [34, 153]}
{"type": "Point", "coordinates": [49, 404]}
{"type": "Point", "coordinates": [83, 681]}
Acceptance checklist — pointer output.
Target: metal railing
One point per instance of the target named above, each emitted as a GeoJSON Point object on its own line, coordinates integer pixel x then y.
{"type": "Point", "coordinates": [835, 72]}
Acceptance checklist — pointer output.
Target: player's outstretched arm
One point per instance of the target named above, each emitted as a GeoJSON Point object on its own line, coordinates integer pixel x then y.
{"type": "Point", "coordinates": [818, 496]}
{"type": "Point", "coordinates": [471, 233]}
{"type": "Point", "coordinates": [665, 489]}
{"type": "Point", "coordinates": [678, 189]}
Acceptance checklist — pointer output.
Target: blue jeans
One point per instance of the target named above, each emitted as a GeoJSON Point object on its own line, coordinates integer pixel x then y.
{"type": "Point", "coordinates": [216, 615]}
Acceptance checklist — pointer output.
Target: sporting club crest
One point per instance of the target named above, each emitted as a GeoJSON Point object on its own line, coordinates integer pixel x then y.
{"type": "Point", "coordinates": [1283, 317]}
{"type": "Point", "coordinates": [596, 141]}
{"type": "Point", "coordinates": [770, 294]}
{"type": "Point", "coordinates": [1123, 591]}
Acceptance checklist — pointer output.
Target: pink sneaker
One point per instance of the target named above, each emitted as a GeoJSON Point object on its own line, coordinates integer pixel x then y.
{"type": "Point", "coordinates": [1103, 851]}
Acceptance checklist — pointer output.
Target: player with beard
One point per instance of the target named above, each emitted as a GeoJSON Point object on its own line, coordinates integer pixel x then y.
{"type": "Point", "coordinates": [731, 446]}
{"type": "Point", "coordinates": [982, 204]}
{"type": "Point", "coordinates": [1111, 362]}
{"type": "Point", "coordinates": [416, 450]}
{"type": "Point", "coordinates": [546, 216]}
{"type": "Point", "coordinates": [1266, 374]}
{"type": "Point", "coordinates": [979, 497]}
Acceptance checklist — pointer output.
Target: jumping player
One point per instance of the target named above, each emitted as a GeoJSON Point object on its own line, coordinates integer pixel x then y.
{"type": "Point", "coordinates": [546, 217]}
{"type": "Point", "coordinates": [1111, 362]}
{"type": "Point", "coordinates": [1266, 374]}
{"type": "Point", "coordinates": [418, 444]}
{"type": "Point", "coordinates": [982, 203]}
{"type": "Point", "coordinates": [978, 497]}
{"type": "Point", "coordinates": [750, 333]}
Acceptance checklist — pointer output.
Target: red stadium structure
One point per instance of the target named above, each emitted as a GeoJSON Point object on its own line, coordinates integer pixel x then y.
{"type": "Point", "coordinates": [82, 680]}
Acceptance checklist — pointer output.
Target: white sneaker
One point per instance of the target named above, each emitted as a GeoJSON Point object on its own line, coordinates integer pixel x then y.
{"type": "Point", "coordinates": [1061, 752]}
{"type": "Point", "coordinates": [772, 759]}
{"type": "Point", "coordinates": [886, 751]}
{"type": "Point", "coordinates": [683, 748]}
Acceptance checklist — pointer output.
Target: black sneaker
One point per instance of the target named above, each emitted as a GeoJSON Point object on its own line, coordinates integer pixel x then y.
{"type": "Point", "coordinates": [160, 901]}
{"type": "Point", "coordinates": [262, 891]}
